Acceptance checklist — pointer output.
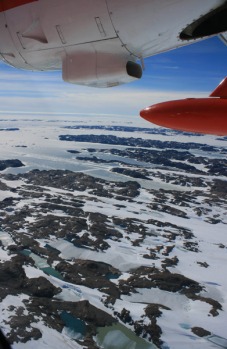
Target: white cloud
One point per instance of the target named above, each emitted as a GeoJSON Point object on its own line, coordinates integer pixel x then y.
{"type": "Point", "coordinates": [46, 92]}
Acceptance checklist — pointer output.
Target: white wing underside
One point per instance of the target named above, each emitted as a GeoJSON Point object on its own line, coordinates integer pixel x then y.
{"type": "Point", "coordinates": [98, 42]}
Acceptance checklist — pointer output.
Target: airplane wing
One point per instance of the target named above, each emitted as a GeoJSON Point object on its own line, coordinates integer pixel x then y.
{"type": "Point", "coordinates": [223, 37]}
{"type": "Point", "coordinates": [101, 42]}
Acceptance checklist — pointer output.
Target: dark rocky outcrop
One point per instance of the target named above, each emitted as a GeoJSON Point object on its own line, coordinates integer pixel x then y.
{"type": "Point", "coordinates": [13, 280]}
{"type": "Point", "coordinates": [10, 163]}
{"type": "Point", "coordinates": [201, 332]}
{"type": "Point", "coordinates": [40, 287]}
{"type": "Point", "coordinates": [130, 173]}
{"type": "Point", "coordinates": [91, 274]}
{"type": "Point", "coordinates": [151, 277]}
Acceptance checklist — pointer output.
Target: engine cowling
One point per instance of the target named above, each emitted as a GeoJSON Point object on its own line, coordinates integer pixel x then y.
{"type": "Point", "coordinates": [212, 23]}
{"type": "Point", "coordinates": [99, 70]}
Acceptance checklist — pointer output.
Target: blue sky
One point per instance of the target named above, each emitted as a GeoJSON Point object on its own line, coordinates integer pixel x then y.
{"type": "Point", "coordinates": [198, 67]}
{"type": "Point", "coordinates": [191, 71]}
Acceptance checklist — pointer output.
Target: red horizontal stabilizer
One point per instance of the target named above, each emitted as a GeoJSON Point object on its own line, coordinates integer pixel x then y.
{"type": "Point", "coordinates": [221, 90]}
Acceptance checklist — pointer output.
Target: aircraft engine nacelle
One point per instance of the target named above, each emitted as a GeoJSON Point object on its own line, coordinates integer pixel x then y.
{"type": "Point", "coordinates": [99, 70]}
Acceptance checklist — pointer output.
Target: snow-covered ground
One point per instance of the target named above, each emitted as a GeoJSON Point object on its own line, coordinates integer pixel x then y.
{"type": "Point", "coordinates": [202, 257]}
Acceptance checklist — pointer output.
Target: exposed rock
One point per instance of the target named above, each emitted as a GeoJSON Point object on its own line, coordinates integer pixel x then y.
{"type": "Point", "coordinates": [130, 173]}
{"type": "Point", "coordinates": [215, 305]}
{"type": "Point", "coordinates": [219, 189]}
{"type": "Point", "coordinates": [13, 280]}
{"type": "Point", "coordinates": [191, 246]}
{"type": "Point", "coordinates": [201, 332]}
{"type": "Point", "coordinates": [73, 151]}
{"type": "Point", "coordinates": [170, 262]}
{"type": "Point", "coordinates": [41, 287]}
{"type": "Point", "coordinates": [151, 278]}
{"type": "Point", "coordinates": [12, 274]}
{"type": "Point", "coordinates": [10, 163]}
{"type": "Point", "coordinates": [10, 129]}
{"type": "Point", "coordinates": [124, 316]}
{"type": "Point", "coordinates": [22, 331]}
{"type": "Point", "coordinates": [3, 186]}
{"type": "Point", "coordinates": [168, 209]}
{"type": "Point", "coordinates": [153, 312]}
{"type": "Point", "coordinates": [203, 264]}
{"type": "Point", "coordinates": [91, 274]}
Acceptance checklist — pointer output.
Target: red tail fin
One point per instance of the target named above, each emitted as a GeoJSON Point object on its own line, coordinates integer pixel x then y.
{"type": "Point", "coordinates": [221, 90]}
